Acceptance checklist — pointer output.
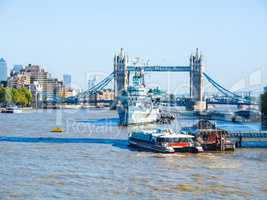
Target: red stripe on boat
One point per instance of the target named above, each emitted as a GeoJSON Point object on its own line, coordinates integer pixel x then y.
{"type": "Point", "coordinates": [181, 144]}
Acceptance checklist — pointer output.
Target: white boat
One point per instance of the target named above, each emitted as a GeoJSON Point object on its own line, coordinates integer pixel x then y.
{"type": "Point", "coordinates": [11, 110]}
{"type": "Point", "coordinates": [134, 105]}
{"type": "Point", "coordinates": [164, 141]}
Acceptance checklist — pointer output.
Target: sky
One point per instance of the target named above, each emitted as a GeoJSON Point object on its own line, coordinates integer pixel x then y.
{"type": "Point", "coordinates": [80, 37]}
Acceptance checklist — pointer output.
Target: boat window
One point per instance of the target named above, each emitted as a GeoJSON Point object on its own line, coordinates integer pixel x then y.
{"type": "Point", "coordinates": [183, 140]}
{"type": "Point", "coordinates": [177, 139]}
{"type": "Point", "coordinates": [172, 140]}
{"type": "Point", "coordinates": [160, 139]}
{"type": "Point", "coordinates": [164, 139]}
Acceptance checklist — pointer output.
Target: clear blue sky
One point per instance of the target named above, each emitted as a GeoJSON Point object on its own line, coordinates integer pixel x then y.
{"type": "Point", "coordinates": [81, 36]}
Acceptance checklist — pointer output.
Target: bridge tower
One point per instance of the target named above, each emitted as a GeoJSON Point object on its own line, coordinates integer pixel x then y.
{"type": "Point", "coordinates": [121, 76]}
{"type": "Point", "coordinates": [197, 81]}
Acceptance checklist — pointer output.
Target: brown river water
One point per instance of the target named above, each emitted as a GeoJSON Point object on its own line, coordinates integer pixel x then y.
{"type": "Point", "coordinates": [91, 160]}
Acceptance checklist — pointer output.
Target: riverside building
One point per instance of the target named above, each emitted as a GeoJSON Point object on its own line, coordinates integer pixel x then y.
{"type": "Point", "coordinates": [67, 80]}
{"type": "Point", "coordinates": [3, 70]}
{"type": "Point", "coordinates": [45, 90]}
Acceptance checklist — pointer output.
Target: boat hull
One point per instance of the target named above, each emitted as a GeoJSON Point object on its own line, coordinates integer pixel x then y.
{"type": "Point", "coordinates": [11, 111]}
{"type": "Point", "coordinates": [162, 149]}
{"type": "Point", "coordinates": [133, 117]}
{"type": "Point", "coordinates": [151, 147]}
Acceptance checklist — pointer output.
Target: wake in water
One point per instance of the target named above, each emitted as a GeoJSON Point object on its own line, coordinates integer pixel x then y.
{"type": "Point", "coordinates": [101, 122]}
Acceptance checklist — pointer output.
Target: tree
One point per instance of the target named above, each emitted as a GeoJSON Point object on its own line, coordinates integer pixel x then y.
{"type": "Point", "coordinates": [27, 94]}
{"type": "Point", "coordinates": [23, 96]}
{"type": "Point", "coordinates": [9, 96]}
{"type": "Point", "coordinates": [5, 95]}
{"type": "Point", "coordinates": [2, 95]}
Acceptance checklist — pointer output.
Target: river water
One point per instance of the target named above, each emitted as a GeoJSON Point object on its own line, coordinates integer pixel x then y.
{"type": "Point", "coordinates": [91, 160]}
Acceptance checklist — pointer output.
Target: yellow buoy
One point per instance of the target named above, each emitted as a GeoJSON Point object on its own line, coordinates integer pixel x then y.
{"type": "Point", "coordinates": [57, 130]}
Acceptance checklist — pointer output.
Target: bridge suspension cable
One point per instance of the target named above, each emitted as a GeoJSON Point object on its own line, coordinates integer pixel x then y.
{"type": "Point", "coordinates": [223, 90]}
{"type": "Point", "coordinates": [99, 86]}
{"type": "Point", "coordinates": [226, 92]}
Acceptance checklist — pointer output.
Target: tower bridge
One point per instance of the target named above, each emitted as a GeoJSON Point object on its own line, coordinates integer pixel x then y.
{"type": "Point", "coordinates": [123, 68]}
{"type": "Point", "coordinates": [160, 68]}
{"type": "Point", "coordinates": [195, 69]}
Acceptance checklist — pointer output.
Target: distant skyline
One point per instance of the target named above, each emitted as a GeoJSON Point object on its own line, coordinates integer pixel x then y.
{"type": "Point", "coordinates": [3, 69]}
{"type": "Point", "coordinates": [81, 37]}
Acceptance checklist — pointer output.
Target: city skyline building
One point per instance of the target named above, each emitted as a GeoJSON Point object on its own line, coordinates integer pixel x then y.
{"type": "Point", "coordinates": [3, 70]}
{"type": "Point", "coordinates": [51, 90]}
{"type": "Point", "coordinates": [17, 68]}
{"type": "Point", "coordinates": [18, 80]}
{"type": "Point", "coordinates": [91, 81]}
{"type": "Point", "coordinates": [44, 88]}
{"type": "Point", "coordinates": [67, 80]}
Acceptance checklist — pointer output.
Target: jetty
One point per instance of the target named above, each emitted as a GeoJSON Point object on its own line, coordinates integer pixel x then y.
{"type": "Point", "coordinates": [249, 138]}
{"type": "Point", "coordinates": [241, 138]}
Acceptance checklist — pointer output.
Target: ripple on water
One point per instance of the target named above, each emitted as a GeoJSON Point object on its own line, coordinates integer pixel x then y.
{"type": "Point", "coordinates": [220, 189]}
{"type": "Point", "coordinates": [101, 122]}
{"type": "Point", "coordinates": [223, 165]}
{"type": "Point", "coordinates": [79, 164]}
